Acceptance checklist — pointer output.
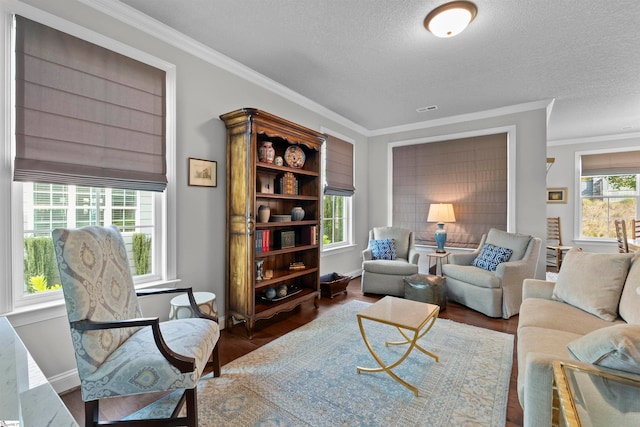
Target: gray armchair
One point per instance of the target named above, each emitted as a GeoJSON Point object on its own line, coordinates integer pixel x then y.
{"type": "Point", "coordinates": [494, 293]}
{"type": "Point", "coordinates": [384, 276]}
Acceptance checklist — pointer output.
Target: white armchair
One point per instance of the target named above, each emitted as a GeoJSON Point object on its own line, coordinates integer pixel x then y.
{"type": "Point", "coordinates": [494, 293]}
{"type": "Point", "coordinates": [384, 276]}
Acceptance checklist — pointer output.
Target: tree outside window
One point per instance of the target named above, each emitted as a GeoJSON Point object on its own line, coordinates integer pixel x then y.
{"type": "Point", "coordinates": [607, 198]}
{"type": "Point", "coordinates": [334, 224]}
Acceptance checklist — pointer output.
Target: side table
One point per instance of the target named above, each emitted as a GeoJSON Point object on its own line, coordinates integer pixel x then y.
{"type": "Point", "coordinates": [584, 396]}
{"type": "Point", "coordinates": [440, 258]}
{"type": "Point", "coordinates": [181, 308]}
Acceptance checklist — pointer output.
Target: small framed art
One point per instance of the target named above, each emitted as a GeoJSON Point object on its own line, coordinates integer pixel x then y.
{"type": "Point", "coordinates": [557, 195]}
{"type": "Point", "coordinates": [202, 173]}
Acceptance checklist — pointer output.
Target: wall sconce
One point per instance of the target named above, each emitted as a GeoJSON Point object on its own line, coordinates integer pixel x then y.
{"type": "Point", "coordinates": [550, 162]}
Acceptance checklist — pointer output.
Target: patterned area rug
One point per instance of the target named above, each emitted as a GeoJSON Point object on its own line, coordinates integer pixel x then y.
{"type": "Point", "coordinates": [308, 378]}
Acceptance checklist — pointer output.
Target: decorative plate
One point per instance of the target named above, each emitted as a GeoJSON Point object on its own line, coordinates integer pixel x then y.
{"type": "Point", "coordinates": [294, 156]}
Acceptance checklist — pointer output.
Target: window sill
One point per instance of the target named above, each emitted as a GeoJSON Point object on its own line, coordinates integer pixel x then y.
{"type": "Point", "coordinates": [337, 249]}
{"type": "Point", "coordinates": [34, 313]}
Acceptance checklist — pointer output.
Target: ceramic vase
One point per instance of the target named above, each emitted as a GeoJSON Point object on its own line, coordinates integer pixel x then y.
{"type": "Point", "coordinates": [266, 152]}
{"type": "Point", "coordinates": [264, 212]}
{"type": "Point", "coordinates": [297, 214]}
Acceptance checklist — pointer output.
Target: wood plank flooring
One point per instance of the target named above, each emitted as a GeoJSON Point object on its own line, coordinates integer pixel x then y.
{"type": "Point", "coordinates": [234, 343]}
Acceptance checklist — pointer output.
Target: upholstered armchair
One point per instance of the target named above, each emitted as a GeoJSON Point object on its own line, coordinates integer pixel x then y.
{"type": "Point", "coordinates": [119, 352]}
{"type": "Point", "coordinates": [390, 256]}
{"type": "Point", "coordinates": [489, 279]}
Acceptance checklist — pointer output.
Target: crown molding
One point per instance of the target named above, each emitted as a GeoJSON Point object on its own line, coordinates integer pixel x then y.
{"type": "Point", "coordinates": [486, 114]}
{"type": "Point", "coordinates": [589, 139]}
{"type": "Point", "coordinates": [157, 29]}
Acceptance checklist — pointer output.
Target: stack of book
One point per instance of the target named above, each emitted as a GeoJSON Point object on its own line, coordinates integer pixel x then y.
{"type": "Point", "coordinates": [263, 240]}
{"type": "Point", "coordinates": [308, 235]}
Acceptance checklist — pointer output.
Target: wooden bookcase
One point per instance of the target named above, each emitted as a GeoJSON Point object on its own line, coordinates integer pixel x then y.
{"type": "Point", "coordinates": [246, 299]}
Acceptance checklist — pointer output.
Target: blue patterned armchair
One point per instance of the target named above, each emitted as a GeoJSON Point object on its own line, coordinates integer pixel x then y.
{"type": "Point", "coordinates": [119, 352]}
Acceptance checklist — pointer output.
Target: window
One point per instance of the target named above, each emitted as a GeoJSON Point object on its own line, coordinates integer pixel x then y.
{"type": "Point", "coordinates": [608, 191]}
{"type": "Point", "coordinates": [145, 218]}
{"type": "Point", "coordinates": [338, 189]}
{"type": "Point", "coordinates": [335, 222]}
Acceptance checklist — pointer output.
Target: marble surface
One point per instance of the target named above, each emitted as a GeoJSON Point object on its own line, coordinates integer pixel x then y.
{"type": "Point", "coordinates": [26, 397]}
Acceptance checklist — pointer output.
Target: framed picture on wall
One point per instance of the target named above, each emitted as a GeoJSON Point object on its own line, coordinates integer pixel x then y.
{"type": "Point", "coordinates": [557, 195]}
{"type": "Point", "coordinates": [202, 173]}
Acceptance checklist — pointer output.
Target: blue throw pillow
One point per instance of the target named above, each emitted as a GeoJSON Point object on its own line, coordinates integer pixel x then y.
{"type": "Point", "coordinates": [490, 256]}
{"type": "Point", "coordinates": [383, 249]}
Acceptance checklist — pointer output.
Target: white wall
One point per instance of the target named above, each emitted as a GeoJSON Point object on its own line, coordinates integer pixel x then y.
{"type": "Point", "coordinates": [563, 174]}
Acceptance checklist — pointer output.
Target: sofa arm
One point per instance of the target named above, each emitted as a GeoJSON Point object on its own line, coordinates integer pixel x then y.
{"type": "Point", "coordinates": [462, 258]}
{"type": "Point", "coordinates": [366, 255]}
{"type": "Point", "coordinates": [537, 391]}
{"type": "Point", "coordinates": [413, 257]}
{"type": "Point", "coordinates": [534, 288]}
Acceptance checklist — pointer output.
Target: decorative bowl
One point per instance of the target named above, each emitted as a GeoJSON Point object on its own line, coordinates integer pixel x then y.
{"type": "Point", "coordinates": [281, 218]}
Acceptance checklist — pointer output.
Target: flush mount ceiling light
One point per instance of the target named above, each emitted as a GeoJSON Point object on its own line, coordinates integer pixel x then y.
{"type": "Point", "coordinates": [451, 18]}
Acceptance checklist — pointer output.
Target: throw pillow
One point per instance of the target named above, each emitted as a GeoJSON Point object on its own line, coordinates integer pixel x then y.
{"type": "Point", "coordinates": [490, 256]}
{"type": "Point", "coordinates": [592, 282]}
{"type": "Point", "coordinates": [383, 249]}
{"type": "Point", "coordinates": [615, 347]}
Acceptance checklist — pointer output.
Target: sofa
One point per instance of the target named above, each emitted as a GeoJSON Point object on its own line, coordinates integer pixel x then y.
{"type": "Point", "coordinates": [590, 316]}
{"type": "Point", "coordinates": [390, 256]}
{"type": "Point", "coordinates": [489, 279]}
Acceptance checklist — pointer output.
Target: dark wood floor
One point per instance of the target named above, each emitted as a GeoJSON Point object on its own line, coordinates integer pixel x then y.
{"type": "Point", "coordinates": [234, 343]}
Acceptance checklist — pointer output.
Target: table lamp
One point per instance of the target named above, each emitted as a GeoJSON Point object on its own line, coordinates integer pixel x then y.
{"type": "Point", "coordinates": [441, 213]}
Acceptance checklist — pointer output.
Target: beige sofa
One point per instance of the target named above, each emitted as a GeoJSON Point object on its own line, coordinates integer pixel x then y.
{"type": "Point", "coordinates": [590, 315]}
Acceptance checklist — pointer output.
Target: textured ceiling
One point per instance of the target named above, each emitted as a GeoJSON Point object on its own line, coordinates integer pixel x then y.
{"type": "Point", "coordinates": [373, 62]}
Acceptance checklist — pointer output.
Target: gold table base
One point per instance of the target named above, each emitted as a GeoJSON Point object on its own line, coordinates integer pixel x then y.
{"type": "Point", "coordinates": [416, 317]}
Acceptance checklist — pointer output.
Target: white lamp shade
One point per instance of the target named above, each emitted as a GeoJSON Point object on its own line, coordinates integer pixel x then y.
{"type": "Point", "coordinates": [450, 19]}
{"type": "Point", "coordinates": [441, 212]}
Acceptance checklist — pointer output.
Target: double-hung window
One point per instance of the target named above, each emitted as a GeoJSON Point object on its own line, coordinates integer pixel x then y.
{"type": "Point", "coordinates": [608, 191]}
{"type": "Point", "coordinates": [92, 143]}
{"type": "Point", "coordinates": [338, 189]}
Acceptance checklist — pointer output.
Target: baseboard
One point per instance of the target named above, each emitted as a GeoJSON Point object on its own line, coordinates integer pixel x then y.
{"type": "Point", "coordinates": [69, 380]}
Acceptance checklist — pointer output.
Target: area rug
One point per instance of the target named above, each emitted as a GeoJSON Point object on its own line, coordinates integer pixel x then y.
{"type": "Point", "coordinates": [308, 378]}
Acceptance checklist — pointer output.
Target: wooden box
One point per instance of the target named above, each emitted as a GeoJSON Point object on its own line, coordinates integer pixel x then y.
{"type": "Point", "coordinates": [333, 284]}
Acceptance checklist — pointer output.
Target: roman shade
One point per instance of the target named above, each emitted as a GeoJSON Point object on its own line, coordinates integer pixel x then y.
{"type": "Point", "coordinates": [86, 115]}
{"type": "Point", "coordinates": [339, 167]}
{"type": "Point", "coordinates": [470, 173]}
{"type": "Point", "coordinates": [620, 163]}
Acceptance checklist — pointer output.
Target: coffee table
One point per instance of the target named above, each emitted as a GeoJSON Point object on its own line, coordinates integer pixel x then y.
{"type": "Point", "coordinates": [413, 320]}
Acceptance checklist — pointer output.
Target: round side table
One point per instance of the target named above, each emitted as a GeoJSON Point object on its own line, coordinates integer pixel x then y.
{"type": "Point", "coordinates": [181, 309]}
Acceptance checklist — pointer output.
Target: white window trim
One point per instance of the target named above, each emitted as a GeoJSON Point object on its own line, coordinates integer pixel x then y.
{"type": "Point", "coordinates": [334, 247]}
{"type": "Point", "coordinates": [577, 226]}
{"type": "Point", "coordinates": [8, 217]}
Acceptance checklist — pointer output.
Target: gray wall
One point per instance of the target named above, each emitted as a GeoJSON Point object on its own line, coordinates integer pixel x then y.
{"type": "Point", "coordinates": [205, 91]}
{"type": "Point", "coordinates": [563, 174]}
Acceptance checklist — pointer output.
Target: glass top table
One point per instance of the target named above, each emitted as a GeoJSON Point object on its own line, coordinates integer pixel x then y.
{"type": "Point", "coordinates": [593, 398]}
{"type": "Point", "coordinates": [26, 397]}
{"type": "Point", "coordinates": [413, 320]}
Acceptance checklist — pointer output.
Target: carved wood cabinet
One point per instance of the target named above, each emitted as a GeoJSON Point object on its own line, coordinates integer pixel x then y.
{"type": "Point", "coordinates": [271, 266]}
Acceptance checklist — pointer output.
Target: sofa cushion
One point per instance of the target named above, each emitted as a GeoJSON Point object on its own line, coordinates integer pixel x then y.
{"type": "Point", "coordinates": [615, 347]}
{"type": "Point", "coordinates": [518, 243]}
{"type": "Point", "coordinates": [471, 275]}
{"type": "Point", "coordinates": [558, 316]}
{"type": "Point", "coordinates": [629, 308]}
{"type": "Point", "coordinates": [383, 249]}
{"type": "Point", "coordinates": [592, 281]}
{"type": "Point", "coordinates": [398, 267]}
{"type": "Point", "coordinates": [490, 256]}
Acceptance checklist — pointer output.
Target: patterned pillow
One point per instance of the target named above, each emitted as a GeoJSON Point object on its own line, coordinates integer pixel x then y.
{"type": "Point", "coordinates": [383, 249]}
{"type": "Point", "coordinates": [490, 256]}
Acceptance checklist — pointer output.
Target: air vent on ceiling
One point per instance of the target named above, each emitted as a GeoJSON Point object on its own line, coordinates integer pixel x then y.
{"type": "Point", "coordinates": [425, 109]}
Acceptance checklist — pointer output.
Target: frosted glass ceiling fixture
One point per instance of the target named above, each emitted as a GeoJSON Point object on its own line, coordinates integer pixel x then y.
{"type": "Point", "coordinates": [451, 18]}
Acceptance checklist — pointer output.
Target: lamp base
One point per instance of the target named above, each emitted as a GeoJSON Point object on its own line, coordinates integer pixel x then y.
{"type": "Point", "coordinates": [441, 251]}
{"type": "Point", "coordinates": [441, 238]}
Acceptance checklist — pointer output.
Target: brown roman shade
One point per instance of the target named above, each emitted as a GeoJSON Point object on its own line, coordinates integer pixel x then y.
{"type": "Point", "coordinates": [470, 173]}
{"type": "Point", "coordinates": [620, 163]}
{"type": "Point", "coordinates": [339, 168]}
{"type": "Point", "coordinates": [86, 115]}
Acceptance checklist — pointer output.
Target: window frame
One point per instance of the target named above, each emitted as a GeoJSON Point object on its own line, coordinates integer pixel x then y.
{"type": "Point", "coordinates": [348, 205]}
{"type": "Point", "coordinates": [578, 229]}
{"type": "Point", "coordinates": [11, 214]}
